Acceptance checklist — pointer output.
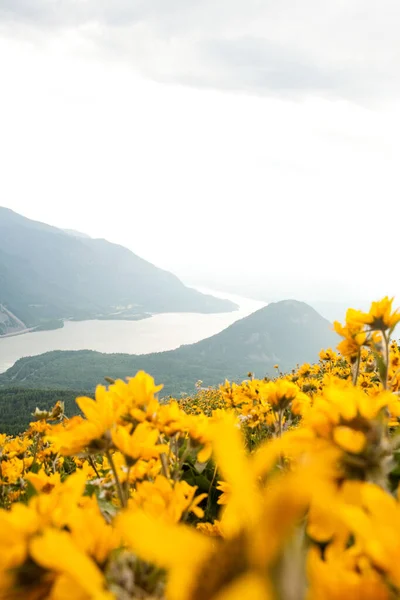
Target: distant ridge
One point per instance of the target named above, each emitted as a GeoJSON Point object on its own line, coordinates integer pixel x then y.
{"type": "Point", "coordinates": [47, 274]}
{"type": "Point", "coordinates": [284, 333]}
{"type": "Point", "coordinates": [77, 234]}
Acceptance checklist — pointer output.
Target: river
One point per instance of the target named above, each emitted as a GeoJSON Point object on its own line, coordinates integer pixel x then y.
{"type": "Point", "coordinates": [165, 331]}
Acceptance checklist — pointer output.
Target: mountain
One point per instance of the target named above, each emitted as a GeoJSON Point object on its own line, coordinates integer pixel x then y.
{"type": "Point", "coordinates": [78, 234]}
{"type": "Point", "coordinates": [47, 274]}
{"type": "Point", "coordinates": [270, 291]}
{"type": "Point", "coordinates": [284, 333]}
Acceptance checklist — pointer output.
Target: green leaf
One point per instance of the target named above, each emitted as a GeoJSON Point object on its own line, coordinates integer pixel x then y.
{"type": "Point", "coordinates": [107, 508]}
{"type": "Point", "coordinates": [202, 483]}
{"type": "Point", "coordinates": [382, 367]}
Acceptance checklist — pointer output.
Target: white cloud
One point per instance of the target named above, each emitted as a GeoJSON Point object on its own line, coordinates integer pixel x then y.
{"type": "Point", "coordinates": [342, 48]}
{"type": "Point", "coordinates": [299, 193]}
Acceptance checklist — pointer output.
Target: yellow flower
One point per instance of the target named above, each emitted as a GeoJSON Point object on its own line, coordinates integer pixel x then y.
{"type": "Point", "coordinates": [376, 525]}
{"type": "Point", "coordinates": [137, 396]}
{"type": "Point", "coordinates": [16, 447]}
{"type": "Point", "coordinates": [198, 429]}
{"type": "Point", "coordinates": [92, 433]}
{"type": "Point", "coordinates": [31, 542]}
{"type": "Point", "coordinates": [42, 482]}
{"type": "Point", "coordinates": [226, 492]}
{"type": "Point", "coordinates": [345, 575]}
{"type": "Point", "coordinates": [380, 315]}
{"type": "Point", "coordinates": [16, 525]}
{"type": "Point", "coordinates": [327, 355]}
{"type": "Point", "coordinates": [343, 405]}
{"type": "Point", "coordinates": [167, 500]}
{"type": "Point", "coordinates": [349, 439]}
{"type": "Point", "coordinates": [142, 443]}
{"type": "Point", "coordinates": [11, 470]}
{"type": "Point", "coordinates": [354, 339]}
{"type": "Point", "coordinates": [255, 524]}
{"type": "Point", "coordinates": [279, 394]}
{"type": "Point", "coordinates": [211, 530]}
{"type": "Point", "coordinates": [40, 427]}
{"type": "Point", "coordinates": [171, 419]}
{"type": "Point", "coordinates": [91, 533]}
{"type": "Point", "coordinates": [56, 552]}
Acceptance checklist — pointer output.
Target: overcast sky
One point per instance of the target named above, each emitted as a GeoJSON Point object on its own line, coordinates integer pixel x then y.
{"type": "Point", "coordinates": [243, 139]}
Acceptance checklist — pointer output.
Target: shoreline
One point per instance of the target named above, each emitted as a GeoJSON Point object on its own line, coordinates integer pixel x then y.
{"type": "Point", "coordinates": [161, 332]}
{"type": "Point", "coordinates": [42, 327]}
{"type": "Point", "coordinates": [20, 332]}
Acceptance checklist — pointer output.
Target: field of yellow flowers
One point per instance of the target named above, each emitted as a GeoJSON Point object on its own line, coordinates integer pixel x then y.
{"type": "Point", "coordinates": [274, 489]}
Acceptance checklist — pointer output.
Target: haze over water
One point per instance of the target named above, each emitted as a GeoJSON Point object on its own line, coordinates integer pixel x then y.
{"type": "Point", "coordinates": [165, 331]}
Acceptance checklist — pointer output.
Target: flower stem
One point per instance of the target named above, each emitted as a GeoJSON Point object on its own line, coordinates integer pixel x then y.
{"type": "Point", "coordinates": [126, 485]}
{"type": "Point", "coordinates": [357, 368]}
{"type": "Point", "coordinates": [386, 340]}
{"type": "Point", "coordinates": [93, 465]}
{"type": "Point", "coordinates": [117, 481]}
{"type": "Point", "coordinates": [164, 462]}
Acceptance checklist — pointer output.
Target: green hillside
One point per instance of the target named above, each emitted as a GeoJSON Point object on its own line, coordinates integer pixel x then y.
{"type": "Point", "coordinates": [285, 333]}
{"type": "Point", "coordinates": [18, 404]}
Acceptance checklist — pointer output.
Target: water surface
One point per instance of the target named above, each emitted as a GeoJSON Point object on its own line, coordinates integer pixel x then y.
{"type": "Point", "coordinates": [165, 331]}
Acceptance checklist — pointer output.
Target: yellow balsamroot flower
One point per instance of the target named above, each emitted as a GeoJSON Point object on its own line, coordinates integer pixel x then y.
{"type": "Point", "coordinates": [56, 507]}
{"type": "Point", "coordinates": [143, 413]}
{"type": "Point", "coordinates": [357, 424]}
{"type": "Point", "coordinates": [232, 394]}
{"type": "Point", "coordinates": [11, 470]}
{"type": "Point", "coordinates": [304, 370]}
{"type": "Point", "coordinates": [343, 573]}
{"type": "Point", "coordinates": [354, 339]}
{"type": "Point", "coordinates": [394, 379]}
{"type": "Point", "coordinates": [281, 393]}
{"type": "Point", "coordinates": [171, 418]}
{"type": "Point", "coordinates": [140, 470]}
{"type": "Point", "coordinates": [324, 522]}
{"type": "Point", "coordinates": [16, 447]}
{"type": "Point", "coordinates": [69, 572]}
{"type": "Point", "coordinates": [211, 529]}
{"type": "Point", "coordinates": [368, 380]}
{"type": "Point", "coordinates": [375, 525]}
{"type": "Point", "coordinates": [137, 396]}
{"type": "Point", "coordinates": [349, 439]}
{"type": "Point", "coordinates": [38, 427]}
{"type": "Point", "coordinates": [328, 355]}
{"type": "Point", "coordinates": [343, 406]}
{"type": "Point", "coordinates": [32, 543]}
{"type": "Point", "coordinates": [379, 317]}
{"type": "Point", "coordinates": [91, 434]}
{"type": "Point", "coordinates": [259, 401]}
{"type": "Point", "coordinates": [198, 430]}
{"type": "Point", "coordinates": [42, 482]}
{"type": "Point", "coordinates": [167, 500]}
{"type": "Point", "coordinates": [225, 488]}
{"type": "Point", "coordinates": [16, 525]}
{"type": "Point", "coordinates": [142, 443]}
{"type": "Point", "coordinates": [255, 523]}
{"type": "Point", "coordinates": [91, 533]}
{"type": "Point", "coordinates": [102, 412]}
{"type": "Point", "coordinates": [74, 436]}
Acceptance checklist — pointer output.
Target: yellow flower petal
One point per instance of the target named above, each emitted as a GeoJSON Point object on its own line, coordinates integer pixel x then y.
{"type": "Point", "coordinates": [349, 439]}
